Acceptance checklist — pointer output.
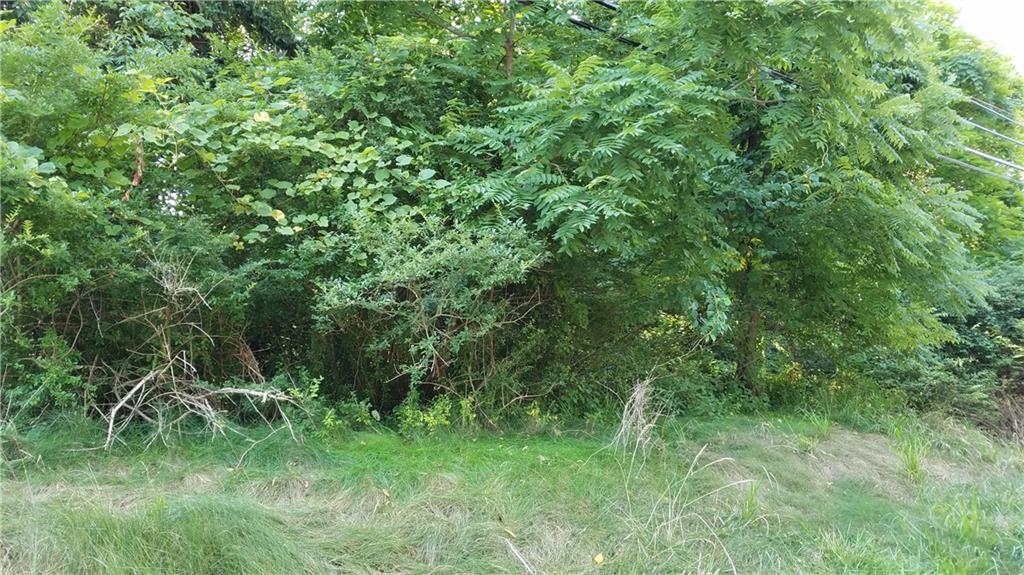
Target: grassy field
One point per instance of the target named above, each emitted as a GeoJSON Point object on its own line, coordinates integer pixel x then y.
{"type": "Point", "coordinates": [735, 495]}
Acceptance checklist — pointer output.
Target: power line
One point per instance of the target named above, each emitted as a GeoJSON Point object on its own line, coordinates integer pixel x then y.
{"type": "Point", "coordinates": [996, 111]}
{"type": "Point", "coordinates": [991, 105]}
{"type": "Point", "coordinates": [993, 132]}
{"type": "Point", "coordinates": [992, 158]}
{"type": "Point", "coordinates": [607, 4]}
{"type": "Point", "coordinates": [1004, 115]}
{"type": "Point", "coordinates": [579, 23]}
{"type": "Point", "coordinates": [590, 25]}
{"type": "Point", "coordinates": [963, 164]}
{"type": "Point", "coordinates": [623, 39]}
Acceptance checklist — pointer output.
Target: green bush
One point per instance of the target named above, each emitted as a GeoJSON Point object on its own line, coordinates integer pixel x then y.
{"type": "Point", "coordinates": [428, 298]}
{"type": "Point", "coordinates": [201, 192]}
{"type": "Point", "coordinates": [414, 420]}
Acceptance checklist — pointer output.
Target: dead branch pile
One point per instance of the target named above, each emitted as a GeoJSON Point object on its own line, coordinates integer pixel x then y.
{"type": "Point", "coordinates": [171, 391]}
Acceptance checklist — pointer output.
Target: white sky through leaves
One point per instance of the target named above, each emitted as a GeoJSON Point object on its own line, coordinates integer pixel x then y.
{"type": "Point", "coordinates": [1000, 22]}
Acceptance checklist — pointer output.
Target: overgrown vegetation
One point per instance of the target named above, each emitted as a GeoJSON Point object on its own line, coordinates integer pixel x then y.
{"type": "Point", "coordinates": [362, 242]}
{"type": "Point", "coordinates": [357, 199]}
{"type": "Point", "coordinates": [716, 495]}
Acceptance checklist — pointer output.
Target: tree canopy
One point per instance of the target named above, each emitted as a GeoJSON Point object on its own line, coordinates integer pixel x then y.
{"type": "Point", "coordinates": [504, 200]}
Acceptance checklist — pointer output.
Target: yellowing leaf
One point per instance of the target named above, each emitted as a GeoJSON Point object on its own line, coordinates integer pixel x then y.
{"type": "Point", "coordinates": [147, 84]}
{"type": "Point", "coordinates": [599, 558]}
{"type": "Point", "coordinates": [278, 215]}
{"type": "Point", "coordinates": [261, 117]}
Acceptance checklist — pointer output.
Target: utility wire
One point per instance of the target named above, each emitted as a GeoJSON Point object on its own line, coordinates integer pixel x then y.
{"type": "Point", "coordinates": [968, 166]}
{"type": "Point", "coordinates": [777, 74]}
{"type": "Point", "coordinates": [590, 25]}
{"type": "Point", "coordinates": [992, 158]}
{"type": "Point", "coordinates": [579, 23]}
{"type": "Point", "coordinates": [607, 4]}
{"type": "Point", "coordinates": [993, 132]}
{"type": "Point", "coordinates": [996, 112]}
{"type": "Point", "coordinates": [992, 108]}
{"type": "Point", "coordinates": [991, 105]}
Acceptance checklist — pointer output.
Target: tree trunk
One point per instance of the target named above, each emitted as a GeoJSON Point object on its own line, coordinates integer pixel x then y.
{"type": "Point", "coordinates": [510, 41]}
{"type": "Point", "coordinates": [747, 352]}
{"type": "Point", "coordinates": [748, 329]}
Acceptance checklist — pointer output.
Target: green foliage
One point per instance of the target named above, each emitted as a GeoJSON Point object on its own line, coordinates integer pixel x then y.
{"type": "Point", "coordinates": [430, 295]}
{"type": "Point", "coordinates": [354, 194]}
{"type": "Point", "coordinates": [967, 375]}
{"type": "Point", "coordinates": [911, 445]}
{"type": "Point", "coordinates": [413, 420]}
{"type": "Point", "coordinates": [50, 376]}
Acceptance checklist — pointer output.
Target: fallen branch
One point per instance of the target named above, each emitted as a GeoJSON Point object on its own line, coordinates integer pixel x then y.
{"type": "Point", "coordinates": [124, 400]}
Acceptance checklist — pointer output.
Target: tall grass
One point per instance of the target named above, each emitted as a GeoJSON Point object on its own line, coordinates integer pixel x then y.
{"type": "Point", "coordinates": [203, 534]}
{"type": "Point", "coordinates": [380, 503]}
{"type": "Point", "coordinates": [912, 445]}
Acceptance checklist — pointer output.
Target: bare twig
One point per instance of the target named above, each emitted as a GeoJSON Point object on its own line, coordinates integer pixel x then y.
{"type": "Point", "coordinates": [515, 553]}
{"type": "Point", "coordinates": [111, 419]}
{"type": "Point", "coordinates": [171, 392]}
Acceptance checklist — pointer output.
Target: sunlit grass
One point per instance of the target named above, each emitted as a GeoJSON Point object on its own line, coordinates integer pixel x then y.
{"type": "Point", "coordinates": [714, 496]}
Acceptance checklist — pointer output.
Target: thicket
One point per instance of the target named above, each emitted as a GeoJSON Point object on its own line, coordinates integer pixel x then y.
{"type": "Point", "coordinates": [491, 208]}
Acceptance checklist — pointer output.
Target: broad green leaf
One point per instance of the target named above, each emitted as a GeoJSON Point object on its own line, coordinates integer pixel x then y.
{"type": "Point", "coordinates": [262, 209]}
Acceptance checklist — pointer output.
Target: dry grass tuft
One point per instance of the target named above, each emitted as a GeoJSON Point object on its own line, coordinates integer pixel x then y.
{"type": "Point", "coordinates": [640, 416]}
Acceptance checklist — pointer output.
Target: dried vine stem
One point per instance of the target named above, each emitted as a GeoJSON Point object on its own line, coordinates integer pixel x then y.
{"type": "Point", "coordinates": [172, 390]}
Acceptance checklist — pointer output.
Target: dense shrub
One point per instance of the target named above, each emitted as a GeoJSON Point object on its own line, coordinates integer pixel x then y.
{"type": "Point", "coordinates": [351, 206]}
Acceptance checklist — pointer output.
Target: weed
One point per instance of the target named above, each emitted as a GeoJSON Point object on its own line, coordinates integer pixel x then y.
{"type": "Point", "coordinates": [639, 419]}
{"type": "Point", "coordinates": [415, 420]}
{"type": "Point", "coordinates": [750, 506]}
{"type": "Point", "coordinates": [912, 446]}
{"type": "Point", "coordinates": [821, 426]}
